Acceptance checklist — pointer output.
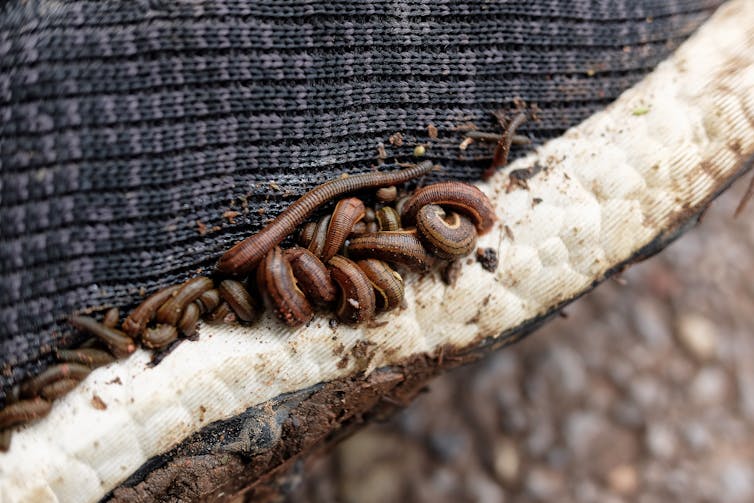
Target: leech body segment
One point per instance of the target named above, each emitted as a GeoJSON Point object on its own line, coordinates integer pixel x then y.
{"type": "Point", "coordinates": [244, 256]}
{"type": "Point", "coordinates": [461, 197]}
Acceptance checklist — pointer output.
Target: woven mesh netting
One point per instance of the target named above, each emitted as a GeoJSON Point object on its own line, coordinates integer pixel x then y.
{"type": "Point", "coordinates": [128, 130]}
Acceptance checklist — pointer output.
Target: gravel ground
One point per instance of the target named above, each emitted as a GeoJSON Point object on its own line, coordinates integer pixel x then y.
{"type": "Point", "coordinates": [644, 392]}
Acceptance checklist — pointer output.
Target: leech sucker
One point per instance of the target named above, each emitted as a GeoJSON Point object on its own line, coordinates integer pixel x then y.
{"type": "Point", "coordinates": [244, 256]}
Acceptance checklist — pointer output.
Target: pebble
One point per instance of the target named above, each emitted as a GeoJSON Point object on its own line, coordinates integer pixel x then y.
{"type": "Point", "coordinates": [507, 462]}
{"type": "Point", "coordinates": [709, 387]}
{"type": "Point", "coordinates": [698, 335]}
{"type": "Point", "coordinates": [661, 440]}
{"type": "Point", "coordinates": [544, 484]}
{"type": "Point", "coordinates": [623, 479]}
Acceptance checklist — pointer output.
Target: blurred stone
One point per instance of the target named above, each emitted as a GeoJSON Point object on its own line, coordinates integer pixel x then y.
{"type": "Point", "coordinates": [483, 490]}
{"type": "Point", "coordinates": [710, 386]}
{"type": "Point", "coordinates": [649, 317]}
{"type": "Point", "coordinates": [623, 479]}
{"type": "Point", "coordinates": [697, 436]}
{"type": "Point", "coordinates": [697, 335]}
{"type": "Point", "coordinates": [541, 437]}
{"type": "Point", "coordinates": [628, 414]}
{"type": "Point", "coordinates": [567, 370]}
{"type": "Point", "coordinates": [661, 441]}
{"type": "Point", "coordinates": [737, 482]}
{"type": "Point", "coordinates": [544, 484]}
{"type": "Point", "coordinates": [507, 462]}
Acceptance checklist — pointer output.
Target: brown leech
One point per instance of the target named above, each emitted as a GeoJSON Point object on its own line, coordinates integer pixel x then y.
{"type": "Point", "coordinates": [319, 238]}
{"type": "Point", "coordinates": [172, 310]}
{"type": "Point", "coordinates": [307, 234]}
{"type": "Point", "coordinates": [209, 300]}
{"type": "Point", "coordinates": [400, 247]}
{"type": "Point", "coordinates": [23, 412]}
{"type": "Point", "coordinates": [275, 278]}
{"type": "Point", "coordinates": [312, 276]}
{"type": "Point", "coordinates": [346, 213]}
{"type": "Point", "coordinates": [446, 236]}
{"type": "Point", "coordinates": [111, 317]}
{"type": "Point", "coordinates": [90, 357]}
{"type": "Point", "coordinates": [135, 323]}
{"type": "Point", "coordinates": [388, 219]}
{"type": "Point", "coordinates": [387, 194]}
{"type": "Point", "coordinates": [387, 284]}
{"type": "Point", "coordinates": [119, 343]}
{"type": "Point", "coordinates": [244, 256]}
{"type": "Point", "coordinates": [239, 299]}
{"type": "Point", "coordinates": [159, 336]}
{"type": "Point", "coordinates": [58, 388]}
{"type": "Point", "coordinates": [357, 301]}
{"type": "Point", "coordinates": [187, 325]}
{"type": "Point", "coordinates": [222, 313]}
{"type": "Point", "coordinates": [503, 148]}
{"type": "Point", "coordinates": [52, 374]}
{"type": "Point", "coordinates": [459, 196]}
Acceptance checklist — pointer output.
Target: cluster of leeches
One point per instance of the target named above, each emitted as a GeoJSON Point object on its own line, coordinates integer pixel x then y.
{"type": "Point", "coordinates": [344, 262]}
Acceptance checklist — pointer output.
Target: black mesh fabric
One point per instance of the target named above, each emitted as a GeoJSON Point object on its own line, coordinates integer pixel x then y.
{"type": "Point", "coordinates": [125, 126]}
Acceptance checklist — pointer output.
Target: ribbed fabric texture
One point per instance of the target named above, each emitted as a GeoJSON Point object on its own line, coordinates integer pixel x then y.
{"type": "Point", "coordinates": [128, 127]}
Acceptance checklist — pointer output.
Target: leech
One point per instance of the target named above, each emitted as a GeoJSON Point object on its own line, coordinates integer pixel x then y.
{"type": "Point", "coordinates": [187, 325]}
{"type": "Point", "coordinates": [387, 284]}
{"type": "Point", "coordinates": [346, 213]}
{"type": "Point", "coordinates": [312, 276]}
{"type": "Point", "coordinates": [307, 234]}
{"type": "Point", "coordinates": [244, 256]}
{"type": "Point", "coordinates": [387, 194]}
{"type": "Point", "coordinates": [239, 299]}
{"type": "Point", "coordinates": [516, 139]}
{"type": "Point", "coordinates": [357, 301]}
{"type": "Point", "coordinates": [119, 343]}
{"type": "Point", "coordinates": [388, 219]}
{"type": "Point", "coordinates": [503, 148]}
{"type": "Point", "coordinates": [23, 412]}
{"type": "Point", "coordinates": [172, 310]}
{"type": "Point", "coordinates": [90, 357]}
{"type": "Point", "coordinates": [58, 388]}
{"type": "Point", "coordinates": [76, 371]}
{"type": "Point", "coordinates": [111, 317]}
{"type": "Point", "coordinates": [400, 247]}
{"type": "Point", "coordinates": [135, 323]}
{"type": "Point", "coordinates": [275, 278]}
{"type": "Point", "coordinates": [5, 436]}
{"type": "Point", "coordinates": [446, 236]}
{"type": "Point", "coordinates": [319, 238]}
{"type": "Point", "coordinates": [222, 313]}
{"type": "Point", "coordinates": [209, 300]}
{"type": "Point", "coordinates": [459, 196]}
{"type": "Point", "coordinates": [159, 336]}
